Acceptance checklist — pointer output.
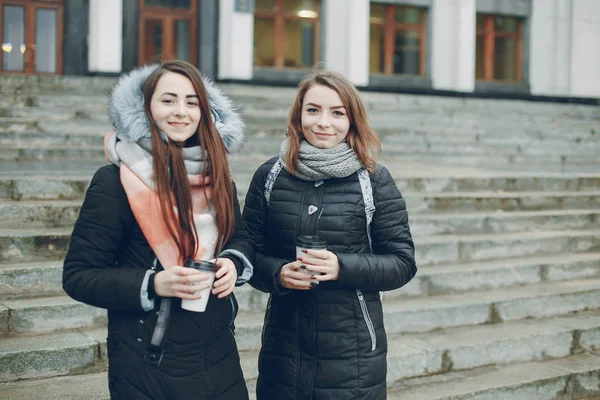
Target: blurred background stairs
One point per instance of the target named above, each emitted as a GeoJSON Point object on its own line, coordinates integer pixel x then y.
{"type": "Point", "coordinates": [504, 202]}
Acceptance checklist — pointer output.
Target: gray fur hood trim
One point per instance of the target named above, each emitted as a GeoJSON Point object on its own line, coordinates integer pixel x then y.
{"type": "Point", "coordinates": [126, 109]}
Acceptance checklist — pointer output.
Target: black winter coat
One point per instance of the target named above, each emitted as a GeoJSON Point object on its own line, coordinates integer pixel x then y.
{"type": "Point", "coordinates": [328, 342]}
{"type": "Point", "coordinates": [106, 263]}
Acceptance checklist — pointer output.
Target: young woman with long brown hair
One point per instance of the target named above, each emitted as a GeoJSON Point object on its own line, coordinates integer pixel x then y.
{"type": "Point", "coordinates": [323, 336]}
{"type": "Point", "coordinates": [167, 197]}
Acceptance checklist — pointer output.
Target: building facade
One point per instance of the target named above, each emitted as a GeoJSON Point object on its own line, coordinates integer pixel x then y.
{"type": "Point", "coordinates": [528, 47]}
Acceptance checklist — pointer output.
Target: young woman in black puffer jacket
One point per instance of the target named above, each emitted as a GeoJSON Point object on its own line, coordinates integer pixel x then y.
{"type": "Point", "coordinates": [324, 336]}
{"type": "Point", "coordinates": [166, 197]}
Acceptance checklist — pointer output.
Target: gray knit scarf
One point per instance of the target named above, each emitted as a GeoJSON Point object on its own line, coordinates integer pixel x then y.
{"type": "Point", "coordinates": [314, 164]}
{"type": "Point", "coordinates": [138, 156]}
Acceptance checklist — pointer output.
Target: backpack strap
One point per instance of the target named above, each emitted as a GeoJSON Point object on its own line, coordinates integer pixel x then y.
{"type": "Point", "coordinates": [273, 174]}
{"type": "Point", "coordinates": [367, 192]}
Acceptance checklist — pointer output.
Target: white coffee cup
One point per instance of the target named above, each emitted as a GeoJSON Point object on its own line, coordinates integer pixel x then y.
{"type": "Point", "coordinates": [309, 243]}
{"type": "Point", "coordinates": [207, 268]}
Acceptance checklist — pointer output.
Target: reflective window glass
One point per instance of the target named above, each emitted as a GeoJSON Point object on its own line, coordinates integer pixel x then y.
{"type": "Point", "coordinates": [13, 38]}
{"type": "Point", "coordinates": [45, 40]}
{"type": "Point", "coordinates": [407, 54]}
{"type": "Point", "coordinates": [407, 15]}
{"type": "Point", "coordinates": [264, 42]}
{"type": "Point", "coordinates": [505, 59]}
{"type": "Point", "coordinates": [299, 44]}
{"type": "Point", "coordinates": [182, 40]}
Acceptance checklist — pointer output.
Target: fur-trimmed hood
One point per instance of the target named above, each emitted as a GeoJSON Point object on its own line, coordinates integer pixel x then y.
{"type": "Point", "coordinates": [126, 109]}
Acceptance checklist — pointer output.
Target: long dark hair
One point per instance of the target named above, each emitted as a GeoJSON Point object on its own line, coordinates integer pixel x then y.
{"type": "Point", "coordinates": [170, 175]}
{"type": "Point", "coordinates": [362, 138]}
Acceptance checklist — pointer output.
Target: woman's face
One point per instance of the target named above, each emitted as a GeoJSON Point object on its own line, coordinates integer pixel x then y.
{"type": "Point", "coordinates": [325, 121]}
{"type": "Point", "coordinates": [175, 107]}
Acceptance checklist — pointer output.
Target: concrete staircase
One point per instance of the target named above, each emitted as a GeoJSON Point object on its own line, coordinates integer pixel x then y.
{"type": "Point", "coordinates": [504, 200]}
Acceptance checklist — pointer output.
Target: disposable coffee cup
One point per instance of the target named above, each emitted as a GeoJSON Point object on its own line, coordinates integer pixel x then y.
{"type": "Point", "coordinates": [309, 243]}
{"type": "Point", "coordinates": [207, 268]}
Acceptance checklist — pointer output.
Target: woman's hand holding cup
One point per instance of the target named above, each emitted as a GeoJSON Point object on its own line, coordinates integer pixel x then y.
{"type": "Point", "coordinates": [293, 276]}
{"type": "Point", "coordinates": [322, 263]}
{"type": "Point", "coordinates": [178, 281]}
{"type": "Point", "coordinates": [225, 277]}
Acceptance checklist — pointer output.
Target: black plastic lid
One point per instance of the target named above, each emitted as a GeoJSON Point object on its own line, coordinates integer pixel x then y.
{"type": "Point", "coordinates": [311, 242]}
{"type": "Point", "coordinates": [201, 264]}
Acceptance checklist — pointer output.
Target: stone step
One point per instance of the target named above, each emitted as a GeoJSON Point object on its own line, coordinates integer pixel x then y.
{"type": "Point", "coordinates": [57, 213]}
{"type": "Point", "coordinates": [409, 356]}
{"type": "Point", "coordinates": [443, 249]}
{"type": "Point", "coordinates": [52, 106]}
{"type": "Point", "coordinates": [506, 165]}
{"type": "Point", "coordinates": [509, 153]}
{"type": "Point", "coordinates": [25, 280]}
{"type": "Point", "coordinates": [28, 138]}
{"type": "Point", "coordinates": [260, 138]}
{"type": "Point", "coordinates": [44, 244]}
{"type": "Point", "coordinates": [40, 187]}
{"type": "Point", "coordinates": [474, 310]}
{"type": "Point", "coordinates": [50, 355]}
{"type": "Point", "coordinates": [48, 314]}
{"type": "Point", "coordinates": [403, 315]}
{"type": "Point", "coordinates": [34, 151]}
{"type": "Point", "coordinates": [575, 377]}
{"type": "Point", "coordinates": [484, 307]}
{"type": "Point", "coordinates": [462, 277]}
{"type": "Point", "coordinates": [506, 201]}
{"type": "Point", "coordinates": [551, 163]}
{"type": "Point", "coordinates": [467, 348]}
{"type": "Point", "coordinates": [28, 245]}
{"type": "Point", "coordinates": [13, 128]}
{"type": "Point", "coordinates": [84, 88]}
{"type": "Point", "coordinates": [502, 222]}
{"type": "Point", "coordinates": [21, 182]}
{"type": "Point", "coordinates": [38, 214]}
{"type": "Point", "coordinates": [74, 112]}
{"type": "Point", "coordinates": [502, 190]}
{"type": "Point", "coordinates": [264, 98]}
{"type": "Point", "coordinates": [92, 386]}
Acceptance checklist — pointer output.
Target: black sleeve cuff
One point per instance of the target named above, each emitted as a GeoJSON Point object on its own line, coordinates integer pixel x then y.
{"type": "Point", "coordinates": [151, 289]}
{"type": "Point", "coordinates": [239, 265]}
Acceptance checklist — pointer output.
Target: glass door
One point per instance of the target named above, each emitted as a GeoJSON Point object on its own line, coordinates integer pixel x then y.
{"type": "Point", "coordinates": [168, 30]}
{"type": "Point", "coordinates": [31, 36]}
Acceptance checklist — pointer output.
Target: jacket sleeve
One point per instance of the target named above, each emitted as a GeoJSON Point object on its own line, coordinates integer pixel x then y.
{"type": "Point", "coordinates": [266, 268]}
{"type": "Point", "coordinates": [239, 248]}
{"type": "Point", "coordinates": [392, 263]}
{"type": "Point", "coordinates": [91, 273]}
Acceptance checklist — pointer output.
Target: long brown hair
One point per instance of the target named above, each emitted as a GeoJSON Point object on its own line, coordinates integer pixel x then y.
{"type": "Point", "coordinates": [170, 175]}
{"type": "Point", "coordinates": [362, 138]}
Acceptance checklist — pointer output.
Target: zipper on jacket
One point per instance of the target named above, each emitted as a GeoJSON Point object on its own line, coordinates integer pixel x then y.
{"type": "Point", "coordinates": [266, 321]}
{"type": "Point", "coordinates": [367, 317]}
{"type": "Point", "coordinates": [233, 314]}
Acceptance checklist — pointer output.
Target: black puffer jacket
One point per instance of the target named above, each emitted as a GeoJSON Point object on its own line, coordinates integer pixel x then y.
{"type": "Point", "coordinates": [329, 342]}
{"type": "Point", "coordinates": [108, 261]}
{"type": "Point", "coordinates": [105, 266]}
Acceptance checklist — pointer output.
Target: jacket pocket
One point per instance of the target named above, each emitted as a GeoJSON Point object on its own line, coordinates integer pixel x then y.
{"type": "Point", "coordinates": [367, 317]}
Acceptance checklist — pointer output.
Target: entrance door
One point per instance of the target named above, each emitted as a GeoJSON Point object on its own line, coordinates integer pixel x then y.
{"type": "Point", "coordinates": [168, 30]}
{"type": "Point", "coordinates": [31, 36]}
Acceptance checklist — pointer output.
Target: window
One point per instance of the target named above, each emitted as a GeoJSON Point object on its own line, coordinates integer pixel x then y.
{"type": "Point", "coordinates": [168, 30]}
{"type": "Point", "coordinates": [286, 33]}
{"type": "Point", "coordinates": [397, 39]}
{"type": "Point", "coordinates": [31, 34]}
{"type": "Point", "coordinates": [499, 48]}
